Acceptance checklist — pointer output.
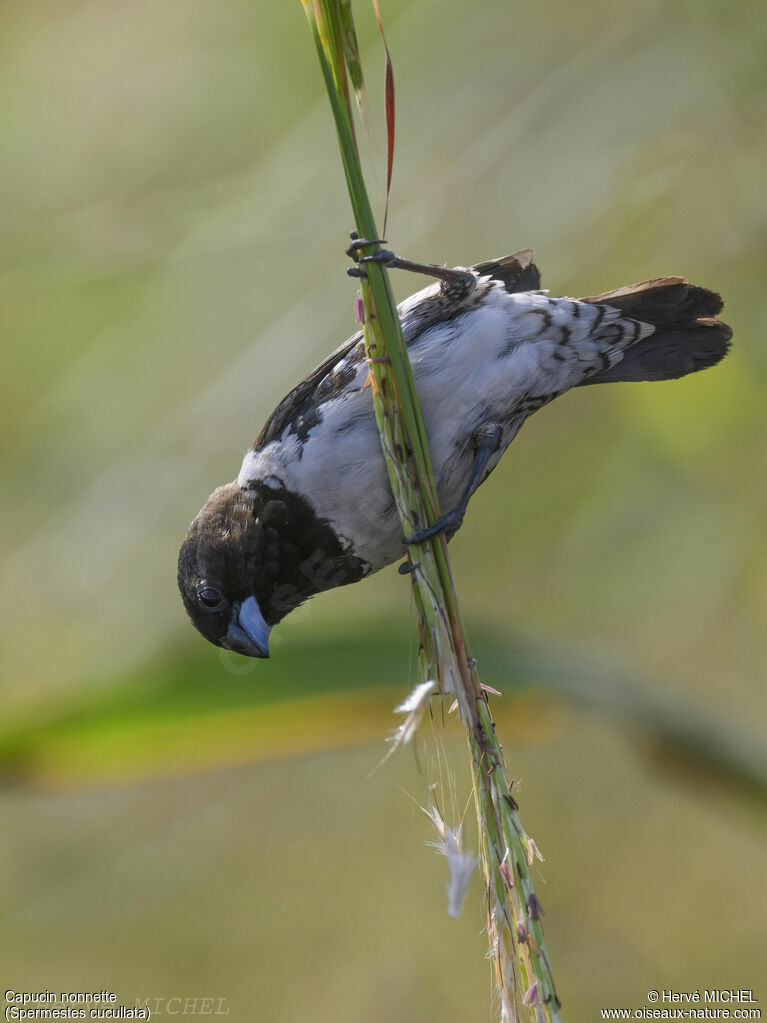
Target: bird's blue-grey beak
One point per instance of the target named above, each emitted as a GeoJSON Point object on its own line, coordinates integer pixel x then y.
{"type": "Point", "coordinates": [248, 633]}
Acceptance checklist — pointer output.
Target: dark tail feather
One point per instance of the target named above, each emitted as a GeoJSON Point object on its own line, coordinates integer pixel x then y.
{"type": "Point", "coordinates": [687, 335]}
{"type": "Point", "coordinates": [670, 354]}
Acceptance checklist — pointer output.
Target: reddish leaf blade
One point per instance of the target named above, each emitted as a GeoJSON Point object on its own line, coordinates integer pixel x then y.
{"type": "Point", "coordinates": [389, 98]}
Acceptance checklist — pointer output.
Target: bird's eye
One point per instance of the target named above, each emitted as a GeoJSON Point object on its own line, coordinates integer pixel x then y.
{"type": "Point", "coordinates": [209, 598]}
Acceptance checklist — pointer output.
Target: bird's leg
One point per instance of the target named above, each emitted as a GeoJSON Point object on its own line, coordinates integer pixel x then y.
{"type": "Point", "coordinates": [450, 275]}
{"type": "Point", "coordinates": [487, 440]}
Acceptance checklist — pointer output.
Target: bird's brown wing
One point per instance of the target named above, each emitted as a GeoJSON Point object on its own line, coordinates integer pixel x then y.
{"type": "Point", "coordinates": [518, 272]}
{"type": "Point", "coordinates": [319, 386]}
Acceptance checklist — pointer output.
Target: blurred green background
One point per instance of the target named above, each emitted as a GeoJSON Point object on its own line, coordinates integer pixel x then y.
{"type": "Point", "coordinates": [179, 823]}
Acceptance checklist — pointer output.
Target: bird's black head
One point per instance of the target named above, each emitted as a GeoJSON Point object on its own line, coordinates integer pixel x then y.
{"type": "Point", "coordinates": [252, 556]}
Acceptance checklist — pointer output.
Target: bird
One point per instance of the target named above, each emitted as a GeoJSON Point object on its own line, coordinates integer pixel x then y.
{"type": "Point", "coordinates": [311, 508]}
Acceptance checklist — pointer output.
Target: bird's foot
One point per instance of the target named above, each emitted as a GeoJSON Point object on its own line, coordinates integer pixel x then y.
{"type": "Point", "coordinates": [407, 567]}
{"type": "Point", "coordinates": [360, 243]}
{"type": "Point", "coordinates": [353, 252]}
{"type": "Point", "coordinates": [382, 256]}
{"type": "Point", "coordinates": [448, 523]}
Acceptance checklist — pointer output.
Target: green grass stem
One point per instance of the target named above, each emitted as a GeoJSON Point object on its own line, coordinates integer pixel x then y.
{"type": "Point", "coordinates": [525, 983]}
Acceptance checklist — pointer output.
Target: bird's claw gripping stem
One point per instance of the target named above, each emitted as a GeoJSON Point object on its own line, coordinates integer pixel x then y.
{"type": "Point", "coordinates": [361, 243]}
{"type": "Point", "coordinates": [380, 256]}
{"type": "Point", "coordinates": [407, 567]}
{"type": "Point", "coordinates": [448, 523]}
